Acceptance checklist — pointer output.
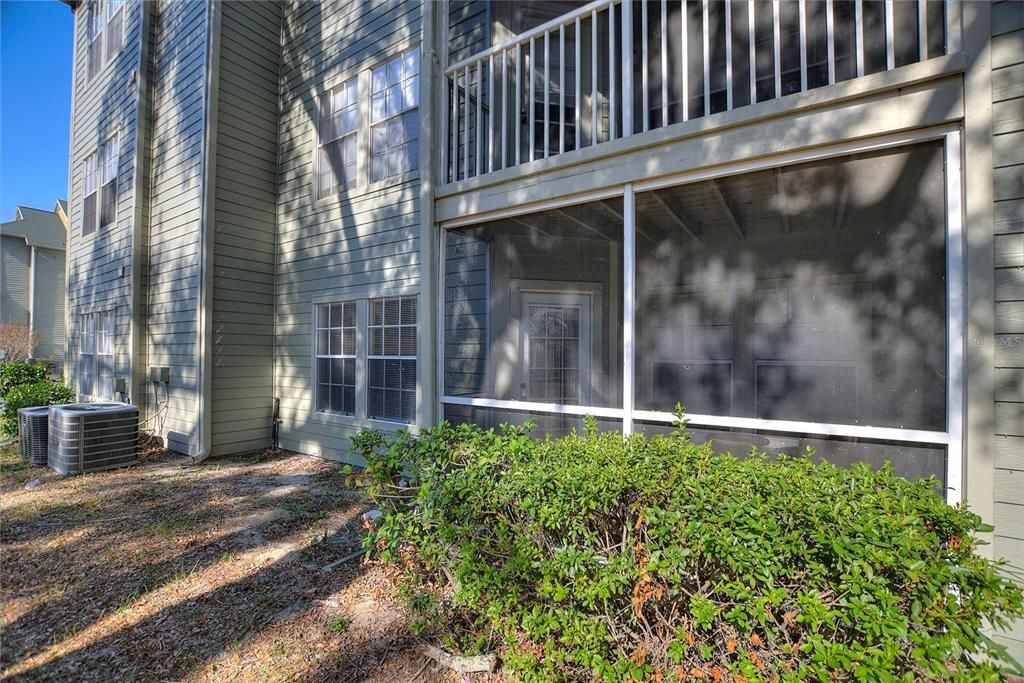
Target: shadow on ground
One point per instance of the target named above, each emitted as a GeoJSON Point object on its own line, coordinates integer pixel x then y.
{"type": "Point", "coordinates": [166, 571]}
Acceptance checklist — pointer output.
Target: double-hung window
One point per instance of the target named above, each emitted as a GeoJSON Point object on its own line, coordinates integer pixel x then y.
{"type": "Point", "coordinates": [394, 116]}
{"type": "Point", "coordinates": [336, 358]}
{"type": "Point", "coordinates": [108, 192]}
{"type": "Point", "coordinates": [339, 121]}
{"type": "Point", "coordinates": [105, 33]}
{"type": "Point", "coordinates": [90, 187]}
{"type": "Point", "coordinates": [365, 363]}
{"type": "Point", "coordinates": [99, 186]}
{"type": "Point", "coordinates": [96, 355]}
{"type": "Point", "coordinates": [392, 359]}
{"type": "Point", "coordinates": [114, 27]}
{"type": "Point", "coordinates": [94, 32]}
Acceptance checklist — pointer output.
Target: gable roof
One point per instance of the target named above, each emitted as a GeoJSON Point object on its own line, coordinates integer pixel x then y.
{"type": "Point", "coordinates": [38, 227]}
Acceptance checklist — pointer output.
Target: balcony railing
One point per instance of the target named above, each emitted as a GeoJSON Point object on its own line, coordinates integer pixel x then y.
{"type": "Point", "coordinates": [611, 69]}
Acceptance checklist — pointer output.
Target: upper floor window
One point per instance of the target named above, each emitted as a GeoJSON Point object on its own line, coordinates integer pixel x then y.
{"type": "Point", "coordinates": [339, 121]}
{"type": "Point", "coordinates": [108, 204]}
{"type": "Point", "coordinates": [94, 32]}
{"type": "Point", "coordinates": [105, 33]}
{"type": "Point", "coordinates": [99, 186]}
{"type": "Point", "coordinates": [394, 116]}
{"type": "Point", "coordinates": [115, 27]}
{"type": "Point", "coordinates": [90, 176]}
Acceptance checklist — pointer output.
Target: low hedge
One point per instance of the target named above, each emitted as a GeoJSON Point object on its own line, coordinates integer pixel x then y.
{"type": "Point", "coordinates": [609, 558]}
{"type": "Point", "coordinates": [43, 393]}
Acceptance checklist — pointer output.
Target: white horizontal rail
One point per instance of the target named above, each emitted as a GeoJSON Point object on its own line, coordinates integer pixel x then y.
{"type": "Point", "coordinates": [796, 427]}
{"type": "Point", "coordinates": [533, 406]}
{"type": "Point", "coordinates": [722, 421]}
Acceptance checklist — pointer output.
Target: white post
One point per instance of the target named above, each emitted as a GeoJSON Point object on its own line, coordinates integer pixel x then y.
{"type": "Point", "coordinates": [890, 36]}
{"type": "Point", "coordinates": [465, 113]}
{"type": "Point", "coordinates": [684, 57]}
{"type": "Point", "coordinates": [752, 41]}
{"type": "Point", "coordinates": [628, 305]}
{"type": "Point", "coordinates": [664, 63]}
{"type": "Point", "coordinates": [777, 44]}
{"type": "Point", "coordinates": [593, 78]}
{"type": "Point", "coordinates": [922, 30]}
{"type": "Point", "coordinates": [954, 41]}
{"type": "Point", "coordinates": [627, 68]}
{"type": "Point", "coordinates": [802, 5]}
{"type": "Point", "coordinates": [645, 96]}
{"type": "Point", "coordinates": [519, 99]}
{"type": "Point", "coordinates": [579, 84]}
{"type": "Point", "coordinates": [479, 117]}
{"type": "Point", "coordinates": [955, 330]}
{"type": "Point", "coordinates": [547, 92]}
{"type": "Point", "coordinates": [529, 98]}
{"type": "Point", "coordinates": [611, 72]}
{"type": "Point", "coordinates": [830, 30]}
{"type": "Point", "coordinates": [728, 54]}
{"type": "Point", "coordinates": [561, 89]}
{"type": "Point", "coordinates": [859, 22]}
{"type": "Point", "coordinates": [504, 108]}
{"type": "Point", "coordinates": [707, 60]}
{"type": "Point", "coordinates": [490, 114]}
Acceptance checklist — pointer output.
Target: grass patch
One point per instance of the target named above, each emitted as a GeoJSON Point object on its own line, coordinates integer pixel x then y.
{"type": "Point", "coordinates": [339, 625]}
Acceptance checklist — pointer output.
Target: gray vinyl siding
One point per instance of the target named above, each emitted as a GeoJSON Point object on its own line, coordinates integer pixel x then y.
{"type": "Point", "coordinates": [466, 330]}
{"type": "Point", "coordinates": [468, 28]}
{"type": "Point", "coordinates": [15, 256]}
{"type": "Point", "coordinates": [245, 226]}
{"type": "Point", "coordinates": [99, 265]}
{"type": "Point", "coordinates": [349, 247]}
{"type": "Point", "coordinates": [48, 318]}
{"type": "Point", "coordinates": [174, 212]}
{"type": "Point", "coordinates": [1008, 186]}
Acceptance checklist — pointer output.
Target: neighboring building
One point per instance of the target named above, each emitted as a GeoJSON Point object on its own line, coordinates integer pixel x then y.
{"type": "Point", "coordinates": [390, 213]}
{"type": "Point", "coordinates": [32, 275]}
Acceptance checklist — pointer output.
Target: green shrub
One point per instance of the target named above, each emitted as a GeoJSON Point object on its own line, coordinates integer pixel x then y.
{"type": "Point", "coordinates": [16, 374]}
{"type": "Point", "coordinates": [611, 558]}
{"type": "Point", "coordinates": [44, 393]}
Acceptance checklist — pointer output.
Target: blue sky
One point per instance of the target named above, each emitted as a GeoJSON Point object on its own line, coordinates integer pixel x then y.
{"type": "Point", "coordinates": [36, 43]}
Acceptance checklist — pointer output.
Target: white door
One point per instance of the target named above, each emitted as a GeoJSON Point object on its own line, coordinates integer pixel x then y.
{"type": "Point", "coordinates": [556, 347]}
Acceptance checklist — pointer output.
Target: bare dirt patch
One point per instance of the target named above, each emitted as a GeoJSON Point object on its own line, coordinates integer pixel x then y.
{"type": "Point", "coordinates": [168, 571]}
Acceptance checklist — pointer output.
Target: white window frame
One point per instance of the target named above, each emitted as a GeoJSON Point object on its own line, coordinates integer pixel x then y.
{"type": "Point", "coordinates": [951, 438]}
{"type": "Point", "coordinates": [113, 9]}
{"type": "Point", "coordinates": [94, 34]}
{"type": "Point", "coordinates": [321, 141]}
{"type": "Point", "coordinates": [410, 80]}
{"type": "Point", "coordinates": [110, 160]}
{"type": "Point", "coordinates": [101, 13]}
{"type": "Point", "coordinates": [370, 356]}
{"type": "Point", "coordinates": [100, 169]}
{"type": "Point", "coordinates": [91, 173]}
{"type": "Point", "coordinates": [319, 355]}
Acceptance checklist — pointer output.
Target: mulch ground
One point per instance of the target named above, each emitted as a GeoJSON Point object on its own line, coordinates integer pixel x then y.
{"type": "Point", "coordinates": [168, 571]}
